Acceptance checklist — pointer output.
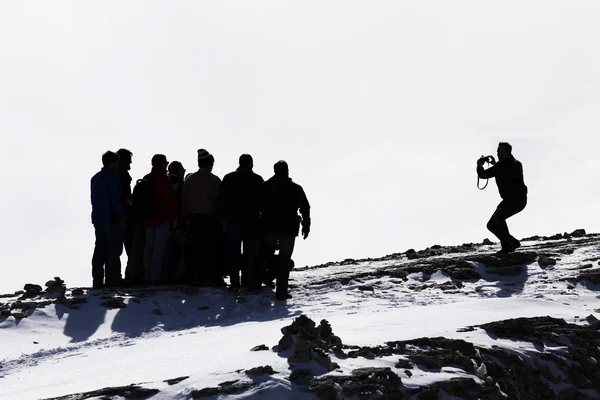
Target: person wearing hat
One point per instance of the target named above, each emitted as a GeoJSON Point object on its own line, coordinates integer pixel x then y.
{"type": "Point", "coordinates": [158, 226]}
{"type": "Point", "coordinates": [281, 199]}
{"type": "Point", "coordinates": [200, 195]}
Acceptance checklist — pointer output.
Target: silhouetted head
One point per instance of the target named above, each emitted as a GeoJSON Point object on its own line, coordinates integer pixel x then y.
{"type": "Point", "coordinates": [159, 161]}
{"type": "Point", "coordinates": [246, 162]}
{"type": "Point", "coordinates": [126, 159]}
{"type": "Point", "coordinates": [205, 159]}
{"type": "Point", "coordinates": [110, 159]}
{"type": "Point", "coordinates": [281, 169]}
{"type": "Point", "coordinates": [176, 169]}
{"type": "Point", "coordinates": [504, 151]}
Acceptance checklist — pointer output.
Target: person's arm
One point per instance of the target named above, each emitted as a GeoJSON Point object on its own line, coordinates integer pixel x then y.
{"type": "Point", "coordinates": [304, 212]}
{"type": "Point", "coordinates": [222, 207]}
{"type": "Point", "coordinates": [184, 198]}
{"type": "Point", "coordinates": [116, 200]}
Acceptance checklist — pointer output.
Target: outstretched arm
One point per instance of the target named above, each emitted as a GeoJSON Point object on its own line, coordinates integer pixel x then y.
{"type": "Point", "coordinates": [305, 212]}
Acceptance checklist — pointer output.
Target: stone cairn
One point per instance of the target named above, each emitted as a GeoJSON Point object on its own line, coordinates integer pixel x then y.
{"type": "Point", "coordinates": [310, 342]}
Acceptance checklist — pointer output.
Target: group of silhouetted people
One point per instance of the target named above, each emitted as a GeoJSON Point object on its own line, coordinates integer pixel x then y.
{"type": "Point", "coordinates": [191, 229]}
{"type": "Point", "coordinates": [195, 228]}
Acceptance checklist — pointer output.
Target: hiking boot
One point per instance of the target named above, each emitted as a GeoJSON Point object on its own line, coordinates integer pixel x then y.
{"type": "Point", "coordinates": [515, 244]}
{"type": "Point", "coordinates": [283, 296]}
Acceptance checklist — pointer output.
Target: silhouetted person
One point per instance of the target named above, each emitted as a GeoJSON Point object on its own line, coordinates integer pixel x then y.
{"type": "Point", "coordinates": [239, 205]}
{"type": "Point", "coordinates": [200, 194]}
{"type": "Point", "coordinates": [280, 201]}
{"type": "Point", "coordinates": [109, 220]}
{"type": "Point", "coordinates": [125, 160]}
{"type": "Point", "coordinates": [159, 225]}
{"type": "Point", "coordinates": [178, 237]}
{"type": "Point", "coordinates": [509, 178]}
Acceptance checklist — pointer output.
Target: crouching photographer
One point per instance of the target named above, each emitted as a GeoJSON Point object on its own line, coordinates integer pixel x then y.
{"type": "Point", "coordinates": [508, 173]}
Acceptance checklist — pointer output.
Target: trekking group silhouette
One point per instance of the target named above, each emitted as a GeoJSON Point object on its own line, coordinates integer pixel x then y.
{"type": "Point", "coordinates": [191, 229]}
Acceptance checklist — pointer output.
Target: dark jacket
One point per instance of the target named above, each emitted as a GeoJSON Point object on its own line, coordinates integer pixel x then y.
{"type": "Point", "coordinates": [509, 178]}
{"type": "Point", "coordinates": [165, 198]}
{"type": "Point", "coordinates": [280, 201]}
{"type": "Point", "coordinates": [107, 205]}
{"type": "Point", "coordinates": [177, 185]}
{"type": "Point", "coordinates": [239, 197]}
{"type": "Point", "coordinates": [126, 191]}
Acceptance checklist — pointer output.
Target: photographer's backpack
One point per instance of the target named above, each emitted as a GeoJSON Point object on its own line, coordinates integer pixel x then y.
{"type": "Point", "coordinates": [143, 199]}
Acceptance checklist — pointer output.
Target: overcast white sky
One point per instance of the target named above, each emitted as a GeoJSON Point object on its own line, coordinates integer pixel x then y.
{"type": "Point", "coordinates": [381, 109]}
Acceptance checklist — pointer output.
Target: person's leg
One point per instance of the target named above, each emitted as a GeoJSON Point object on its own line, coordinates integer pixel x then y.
{"type": "Point", "coordinates": [171, 258]}
{"type": "Point", "coordinates": [250, 245]}
{"type": "Point", "coordinates": [196, 249]}
{"type": "Point", "coordinates": [148, 250]}
{"type": "Point", "coordinates": [286, 248]}
{"type": "Point", "coordinates": [234, 253]}
{"type": "Point", "coordinates": [497, 224]}
{"type": "Point", "coordinates": [211, 241]}
{"type": "Point", "coordinates": [161, 237]}
{"type": "Point", "coordinates": [100, 257]}
{"type": "Point", "coordinates": [266, 251]}
{"type": "Point", "coordinates": [113, 266]}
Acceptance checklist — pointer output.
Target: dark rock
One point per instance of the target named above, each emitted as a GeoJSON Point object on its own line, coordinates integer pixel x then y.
{"type": "Point", "coordinates": [260, 347]}
{"type": "Point", "coordinates": [175, 381]}
{"type": "Point", "coordinates": [364, 383]}
{"type": "Point", "coordinates": [206, 392]}
{"type": "Point", "coordinates": [578, 233]}
{"type": "Point", "coordinates": [507, 271]}
{"type": "Point", "coordinates": [593, 276]}
{"type": "Point", "coordinates": [402, 363]}
{"type": "Point", "coordinates": [366, 288]}
{"type": "Point", "coordinates": [570, 287]}
{"type": "Point", "coordinates": [114, 302]}
{"type": "Point", "coordinates": [32, 287]}
{"type": "Point", "coordinates": [156, 311]}
{"type": "Point", "coordinates": [260, 371]}
{"type": "Point", "coordinates": [487, 242]}
{"type": "Point", "coordinates": [5, 313]}
{"type": "Point", "coordinates": [546, 262]}
{"type": "Point", "coordinates": [19, 315]}
{"type": "Point", "coordinates": [77, 292]}
{"type": "Point", "coordinates": [203, 308]}
{"type": "Point", "coordinates": [127, 392]}
{"type": "Point", "coordinates": [301, 376]}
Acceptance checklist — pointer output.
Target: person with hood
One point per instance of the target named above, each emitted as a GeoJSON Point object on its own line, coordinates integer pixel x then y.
{"type": "Point", "coordinates": [109, 220]}
{"type": "Point", "coordinates": [509, 179]}
{"type": "Point", "coordinates": [158, 225]}
{"type": "Point", "coordinates": [281, 199]}
{"type": "Point", "coordinates": [239, 207]}
{"type": "Point", "coordinates": [200, 196]}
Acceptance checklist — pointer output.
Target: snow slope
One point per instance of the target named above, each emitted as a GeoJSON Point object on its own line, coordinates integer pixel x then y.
{"type": "Point", "coordinates": [207, 333]}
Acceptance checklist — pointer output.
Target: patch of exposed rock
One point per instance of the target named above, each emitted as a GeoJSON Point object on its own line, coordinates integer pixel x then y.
{"type": "Point", "coordinates": [574, 370]}
{"type": "Point", "coordinates": [223, 388]}
{"type": "Point", "coordinates": [128, 392]}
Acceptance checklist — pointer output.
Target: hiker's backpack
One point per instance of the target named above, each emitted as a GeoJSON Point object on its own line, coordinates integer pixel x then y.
{"type": "Point", "coordinates": [143, 200]}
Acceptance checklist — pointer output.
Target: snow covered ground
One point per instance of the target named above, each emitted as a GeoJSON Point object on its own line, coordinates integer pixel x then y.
{"type": "Point", "coordinates": [206, 333]}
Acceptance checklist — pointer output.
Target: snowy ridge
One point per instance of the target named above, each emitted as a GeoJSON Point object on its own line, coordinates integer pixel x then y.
{"type": "Point", "coordinates": [380, 308]}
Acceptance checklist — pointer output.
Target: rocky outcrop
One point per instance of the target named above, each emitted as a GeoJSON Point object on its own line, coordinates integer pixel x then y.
{"type": "Point", "coordinates": [127, 392]}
